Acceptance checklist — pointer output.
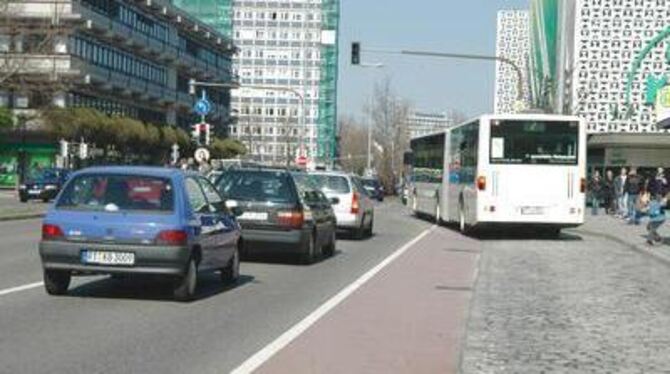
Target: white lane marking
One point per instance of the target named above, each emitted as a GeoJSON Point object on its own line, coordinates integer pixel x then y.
{"type": "Point", "coordinates": [260, 357]}
{"type": "Point", "coordinates": [25, 287]}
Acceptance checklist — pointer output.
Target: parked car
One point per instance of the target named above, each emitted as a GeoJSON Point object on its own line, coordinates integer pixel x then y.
{"type": "Point", "coordinates": [277, 215]}
{"type": "Point", "coordinates": [43, 185]}
{"type": "Point", "coordinates": [138, 220]}
{"type": "Point", "coordinates": [374, 189]}
{"type": "Point", "coordinates": [352, 205]}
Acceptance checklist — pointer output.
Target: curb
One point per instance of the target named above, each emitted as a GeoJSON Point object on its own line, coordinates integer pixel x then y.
{"type": "Point", "coordinates": [637, 248]}
{"type": "Point", "coordinates": [20, 217]}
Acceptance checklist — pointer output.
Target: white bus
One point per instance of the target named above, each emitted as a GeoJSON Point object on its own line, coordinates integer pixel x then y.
{"type": "Point", "coordinates": [524, 169]}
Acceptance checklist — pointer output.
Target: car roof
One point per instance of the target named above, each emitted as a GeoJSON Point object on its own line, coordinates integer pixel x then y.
{"type": "Point", "coordinates": [331, 173]}
{"type": "Point", "coordinates": [150, 171]}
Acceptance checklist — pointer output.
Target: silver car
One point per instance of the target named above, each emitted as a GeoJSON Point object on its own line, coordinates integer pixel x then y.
{"type": "Point", "coordinates": [353, 207]}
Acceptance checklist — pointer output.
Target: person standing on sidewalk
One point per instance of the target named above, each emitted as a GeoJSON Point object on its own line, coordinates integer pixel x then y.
{"type": "Point", "coordinates": [632, 189]}
{"type": "Point", "coordinates": [596, 189]}
{"type": "Point", "coordinates": [609, 194]}
{"type": "Point", "coordinates": [619, 183]}
{"type": "Point", "coordinates": [659, 184]}
{"type": "Point", "coordinates": [656, 218]}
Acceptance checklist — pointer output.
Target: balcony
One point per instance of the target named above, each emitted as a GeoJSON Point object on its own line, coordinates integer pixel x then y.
{"type": "Point", "coordinates": [27, 64]}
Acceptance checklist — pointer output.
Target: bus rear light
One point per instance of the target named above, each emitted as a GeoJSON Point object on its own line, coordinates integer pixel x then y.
{"type": "Point", "coordinates": [492, 209]}
{"type": "Point", "coordinates": [573, 210]}
{"type": "Point", "coordinates": [582, 185]}
{"type": "Point", "coordinates": [481, 183]}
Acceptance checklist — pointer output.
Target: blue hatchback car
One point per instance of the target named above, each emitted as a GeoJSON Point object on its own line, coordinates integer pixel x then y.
{"type": "Point", "coordinates": [139, 220]}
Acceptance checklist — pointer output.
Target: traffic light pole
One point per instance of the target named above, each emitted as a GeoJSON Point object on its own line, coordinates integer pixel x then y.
{"type": "Point", "coordinates": [505, 60]}
{"type": "Point", "coordinates": [193, 84]}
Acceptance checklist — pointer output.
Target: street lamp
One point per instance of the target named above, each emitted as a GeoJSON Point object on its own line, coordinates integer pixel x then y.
{"type": "Point", "coordinates": [377, 65]}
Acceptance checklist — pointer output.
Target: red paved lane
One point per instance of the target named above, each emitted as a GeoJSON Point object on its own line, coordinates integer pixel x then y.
{"type": "Point", "coordinates": [409, 318]}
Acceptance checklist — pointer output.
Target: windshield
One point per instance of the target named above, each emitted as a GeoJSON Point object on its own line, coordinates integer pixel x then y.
{"type": "Point", "coordinates": [43, 175]}
{"type": "Point", "coordinates": [327, 183]}
{"type": "Point", "coordinates": [256, 186]}
{"type": "Point", "coordinates": [534, 142]}
{"type": "Point", "coordinates": [371, 183]}
{"type": "Point", "coordinates": [116, 193]}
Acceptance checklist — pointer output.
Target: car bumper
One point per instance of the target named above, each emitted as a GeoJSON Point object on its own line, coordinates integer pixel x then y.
{"type": "Point", "coordinates": [42, 194]}
{"type": "Point", "coordinates": [159, 260]}
{"type": "Point", "coordinates": [348, 221]}
{"type": "Point", "coordinates": [270, 241]}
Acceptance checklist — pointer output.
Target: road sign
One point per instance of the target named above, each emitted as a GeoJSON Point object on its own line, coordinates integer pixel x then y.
{"type": "Point", "coordinates": [201, 154]}
{"type": "Point", "coordinates": [202, 107]}
{"type": "Point", "coordinates": [301, 161]}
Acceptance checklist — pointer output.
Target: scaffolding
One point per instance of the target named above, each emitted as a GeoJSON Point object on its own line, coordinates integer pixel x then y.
{"type": "Point", "coordinates": [327, 119]}
{"type": "Point", "coordinates": [216, 13]}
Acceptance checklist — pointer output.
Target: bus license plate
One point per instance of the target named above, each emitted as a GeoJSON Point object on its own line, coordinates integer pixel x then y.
{"type": "Point", "coordinates": [532, 210]}
{"type": "Point", "coordinates": [108, 258]}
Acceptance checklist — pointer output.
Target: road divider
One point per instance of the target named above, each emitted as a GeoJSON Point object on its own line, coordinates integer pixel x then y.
{"type": "Point", "coordinates": [262, 356]}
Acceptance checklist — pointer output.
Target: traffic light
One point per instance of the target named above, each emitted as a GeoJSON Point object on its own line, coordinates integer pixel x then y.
{"type": "Point", "coordinates": [196, 132]}
{"type": "Point", "coordinates": [191, 87]}
{"type": "Point", "coordinates": [355, 53]}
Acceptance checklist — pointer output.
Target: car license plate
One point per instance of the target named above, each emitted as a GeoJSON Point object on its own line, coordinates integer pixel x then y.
{"type": "Point", "coordinates": [107, 258]}
{"type": "Point", "coordinates": [254, 216]}
{"type": "Point", "coordinates": [34, 192]}
{"type": "Point", "coordinates": [532, 210]}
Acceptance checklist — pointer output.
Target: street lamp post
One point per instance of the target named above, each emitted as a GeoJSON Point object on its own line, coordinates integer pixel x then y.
{"type": "Point", "coordinates": [370, 116]}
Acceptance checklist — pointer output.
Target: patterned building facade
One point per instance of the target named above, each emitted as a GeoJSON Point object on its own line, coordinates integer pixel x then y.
{"type": "Point", "coordinates": [512, 43]}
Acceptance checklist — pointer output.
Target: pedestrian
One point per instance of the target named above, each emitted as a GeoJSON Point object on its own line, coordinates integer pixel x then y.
{"type": "Point", "coordinates": [619, 183]}
{"type": "Point", "coordinates": [608, 193]}
{"type": "Point", "coordinates": [595, 189]}
{"type": "Point", "coordinates": [656, 218]}
{"type": "Point", "coordinates": [632, 188]}
{"type": "Point", "coordinates": [659, 184]}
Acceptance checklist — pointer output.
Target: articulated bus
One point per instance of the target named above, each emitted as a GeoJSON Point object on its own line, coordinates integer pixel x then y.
{"type": "Point", "coordinates": [526, 169]}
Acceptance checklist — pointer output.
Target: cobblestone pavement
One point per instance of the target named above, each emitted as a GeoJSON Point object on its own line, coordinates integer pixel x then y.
{"type": "Point", "coordinates": [577, 305]}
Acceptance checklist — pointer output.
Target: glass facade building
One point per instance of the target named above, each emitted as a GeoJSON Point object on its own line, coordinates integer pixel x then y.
{"type": "Point", "coordinates": [288, 44]}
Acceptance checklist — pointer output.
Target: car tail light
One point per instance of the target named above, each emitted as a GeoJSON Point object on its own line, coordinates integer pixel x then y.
{"type": "Point", "coordinates": [355, 203]}
{"type": "Point", "coordinates": [172, 237]}
{"type": "Point", "coordinates": [582, 185]}
{"type": "Point", "coordinates": [293, 219]}
{"type": "Point", "coordinates": [481, 183]}
{"type": "Point", "coordinates": [51, 232]}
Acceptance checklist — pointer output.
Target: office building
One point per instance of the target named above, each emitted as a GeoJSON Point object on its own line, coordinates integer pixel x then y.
{"type": "Point", "coordinates": [512, 43]}
{"type": "Point", "coordinates": [118, 56]}
{"type": "Point", "coordinates": [421, 123]}
{"type": "Point", "coordinates": [607, 61]}
{"type": "Point", "coordinates": [288, 49]}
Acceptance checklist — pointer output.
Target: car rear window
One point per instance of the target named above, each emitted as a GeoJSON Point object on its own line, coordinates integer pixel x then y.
{"type": "Point", "coordinates": [118, 193]}
{"type": "Point", "coordinates": [370, 183]}
{"type": "Point", "coordinates": [326, 183]}
{"type": "Point", "coordinates": [256, 186]}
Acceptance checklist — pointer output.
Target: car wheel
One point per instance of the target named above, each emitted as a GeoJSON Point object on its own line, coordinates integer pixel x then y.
{"type": "Point", "coordinates": [308, 253]}
{"type": "Point", "coordinates": [185, 287]}
{"type": "Point", "coordinates": [231, 273]}
{"type": "Point", "coordinates": [45, 200]}
{"type": "Point", "coordinates": [359, 233]}
{"type": "Point", "coordinates": [23, 200]}
{"type": "Point", "coordinates": [56, 282]}
{"type": "Point", "coordinates": [329, 250]}
{"type": "Point", "coordinates": [369, 230]}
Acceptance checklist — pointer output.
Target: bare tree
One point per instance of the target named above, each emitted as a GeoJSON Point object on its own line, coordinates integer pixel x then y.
{"type": "Point", "coordinates": [353, 145]}
{"type": "Point", "coordinates": [389, 117]}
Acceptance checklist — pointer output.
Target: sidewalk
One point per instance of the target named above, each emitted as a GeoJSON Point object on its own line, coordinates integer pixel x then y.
{"type": "Point", "coordinates": [631, 236]}
{"type": "Point", "coordinates": [409, 318]}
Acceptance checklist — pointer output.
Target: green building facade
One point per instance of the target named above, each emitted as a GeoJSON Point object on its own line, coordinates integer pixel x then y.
{"type": "Point", "coordinates": [544, 53]}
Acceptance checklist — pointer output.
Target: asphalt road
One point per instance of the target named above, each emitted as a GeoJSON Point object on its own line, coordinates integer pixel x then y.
{"type": "Point", "coordinates": [133, 326]}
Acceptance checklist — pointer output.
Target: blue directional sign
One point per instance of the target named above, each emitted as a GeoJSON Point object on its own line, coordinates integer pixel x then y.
{"type": "Point", "coordinates": [202, 107]}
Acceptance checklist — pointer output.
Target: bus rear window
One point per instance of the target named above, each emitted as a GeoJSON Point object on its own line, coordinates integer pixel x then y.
{"type": "Point", "coordinates": [534, 142]}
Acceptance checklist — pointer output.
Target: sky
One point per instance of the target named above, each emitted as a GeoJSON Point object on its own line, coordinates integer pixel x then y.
{"type": "Point", "coordinates": [434, 85]}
